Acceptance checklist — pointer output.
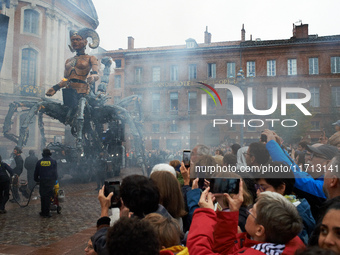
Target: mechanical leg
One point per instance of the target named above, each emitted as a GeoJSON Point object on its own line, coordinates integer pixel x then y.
{"type": "Point", "coordinates": [80, 123]}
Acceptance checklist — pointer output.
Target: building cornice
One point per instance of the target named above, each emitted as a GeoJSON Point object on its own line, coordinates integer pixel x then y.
{"type": "Point", "coordinates": [237, 45]}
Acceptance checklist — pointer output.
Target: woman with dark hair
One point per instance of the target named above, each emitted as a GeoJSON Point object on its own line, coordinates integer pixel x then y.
{"type": "Point", "coordinates": [327, 233]}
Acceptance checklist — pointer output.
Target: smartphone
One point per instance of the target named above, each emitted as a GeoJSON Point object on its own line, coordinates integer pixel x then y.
{"type": "Point", "coordinates": [263, 138]}
{"type": "Point", "coordinates": [201, 183]}
{"type": "Point", "coordinates": [224, 185]}
{"type": "Point", "coordinates": [113, 186]}
{"type": "Point", "coordinates": [186, 158]}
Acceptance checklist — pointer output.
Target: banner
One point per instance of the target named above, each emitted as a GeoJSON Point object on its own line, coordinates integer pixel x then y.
{"type": "Point", "coordinates": [3, 36]}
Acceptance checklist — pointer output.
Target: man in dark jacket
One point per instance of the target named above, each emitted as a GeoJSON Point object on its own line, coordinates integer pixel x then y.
{"type": "Point", "coordinates": [46, 174]}
{"type": "Point", "coordinates": [30, 163]}
{"type": "Point", "coordinates": [139, 195]}
{"type": "Point", "coordinates": [4, 184]}
{"type": "Point", "coordinates": [17, 170]}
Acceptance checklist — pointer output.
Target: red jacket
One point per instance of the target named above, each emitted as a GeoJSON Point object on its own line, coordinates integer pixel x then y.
{"type": "Point", "coordinates": [216, 233]}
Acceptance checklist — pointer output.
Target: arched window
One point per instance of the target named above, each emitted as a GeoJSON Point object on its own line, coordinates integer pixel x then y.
{"type": "Point", "coordinates": [31, 21]}
{"type": "Point", "coordinates": [28, 69]}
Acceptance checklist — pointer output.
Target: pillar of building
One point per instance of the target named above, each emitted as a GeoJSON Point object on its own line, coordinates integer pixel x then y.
{"type": "Point", "coordinates": [6, 79]}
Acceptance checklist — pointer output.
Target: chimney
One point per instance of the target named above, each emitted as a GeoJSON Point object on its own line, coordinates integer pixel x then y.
{"type": "Point", "coordinates": [207, 36]}
{"type": "Point", "coordinates": [243, 34]}
{"type": "Point", "coordinates": [301, 31]}
{"type": "Point", "coordinates": [131, 43]}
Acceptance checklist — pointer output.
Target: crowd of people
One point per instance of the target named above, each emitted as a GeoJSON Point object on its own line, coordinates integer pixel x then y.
{"type": "Point", "coordinates": [278, 202]}
{"type": "Point", "coordinates": [285, 203]}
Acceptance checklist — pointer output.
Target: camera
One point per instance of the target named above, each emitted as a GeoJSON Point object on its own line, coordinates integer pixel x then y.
{"type": "Point", "coordinates": [113, 186]}
{"type": "Point", "coordinates": [201, 183]}
{"type": "Point", "coordinates": [186, 158]}
{"type": "Point", "coordinates": [224, 185]}
{"type": "Point", "coordinates": [263, 138]}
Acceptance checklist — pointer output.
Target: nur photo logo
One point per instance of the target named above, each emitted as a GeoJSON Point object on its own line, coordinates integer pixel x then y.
{"type": "Point", "coordinates": [239, 104]}
{"type": "Point", "coordinates": [204, 97]}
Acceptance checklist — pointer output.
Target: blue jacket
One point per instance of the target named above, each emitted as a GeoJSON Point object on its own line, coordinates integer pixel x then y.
{"type": "Point", "coordinates": [307, 220]}
{"type": "Point", "coordinates": [305, 185]}
{"type": "Point", "coordinates": [193, 196]}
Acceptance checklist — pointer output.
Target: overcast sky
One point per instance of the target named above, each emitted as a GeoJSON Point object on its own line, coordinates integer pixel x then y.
{"type": "Point", "coordinates": [162, 23]}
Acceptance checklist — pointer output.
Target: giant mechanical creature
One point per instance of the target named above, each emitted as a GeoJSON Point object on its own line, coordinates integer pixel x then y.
{"type": "Point", "coordinates": [98, 127]}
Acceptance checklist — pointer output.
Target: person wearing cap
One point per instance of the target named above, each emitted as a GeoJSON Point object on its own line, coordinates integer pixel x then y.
{"type": "Point", "coordinates": [335, 138]}
{"type": "Point", "coordinates": [337, 125]}
{"type": "Point", "coordinates": [17, 170]}
{"type": "Point", "coordinates": [317, 157]}
{"type": "Point", "coordinates": [164, 167]}
{"type": "Point", "coordinates": [46, 175]}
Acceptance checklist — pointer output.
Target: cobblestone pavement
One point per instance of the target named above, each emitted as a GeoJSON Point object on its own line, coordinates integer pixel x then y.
{"type": "Point", "coordinates": [23, 231]}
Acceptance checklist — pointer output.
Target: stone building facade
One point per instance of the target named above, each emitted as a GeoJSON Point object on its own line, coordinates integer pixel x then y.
{"type": "Point", "coordinates": [168, 80]}
{"type": "Point", "coordinates": [34, 57]}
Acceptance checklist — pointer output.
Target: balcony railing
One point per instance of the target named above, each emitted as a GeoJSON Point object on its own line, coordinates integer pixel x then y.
{"type": "Point", "coordinates": [30, 90]}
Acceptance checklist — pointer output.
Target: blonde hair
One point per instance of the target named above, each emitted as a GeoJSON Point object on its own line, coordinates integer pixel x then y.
{"type": "Point", "coordinates": [167, 229]}
{"type": "Point", "coordinates": [278, 216]}
{"type": "Point", "coordinates": [218, 159]}
{"type": "Point", "coordinates": [174, 163]}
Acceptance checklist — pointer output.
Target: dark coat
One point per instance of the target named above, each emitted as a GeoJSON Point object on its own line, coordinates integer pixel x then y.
{"type": "Point", "coordinates": [19, 165]}
{"type": "Point", "coordinates": [4, 168]}
{"type": "Point", "coordinates": [30, 162]}
{"type": "Point", "coordinates": [46, 169]}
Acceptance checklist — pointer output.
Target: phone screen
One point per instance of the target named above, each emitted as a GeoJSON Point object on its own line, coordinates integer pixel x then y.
{"type": "Point", "coordinates": [224, 185]}
{"type": "Point", "coordinates": [113, 186]}
{"type": "Point", "coordinates": [186, 158]}
{"type": "Point", "coordinates": [201, 183]}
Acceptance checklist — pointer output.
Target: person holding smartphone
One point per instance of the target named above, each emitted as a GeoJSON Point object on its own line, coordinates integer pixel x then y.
{"type": "Point", "coordinates": [139, 197]}
{"type": "Point", "coordinates": [216, 232]}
